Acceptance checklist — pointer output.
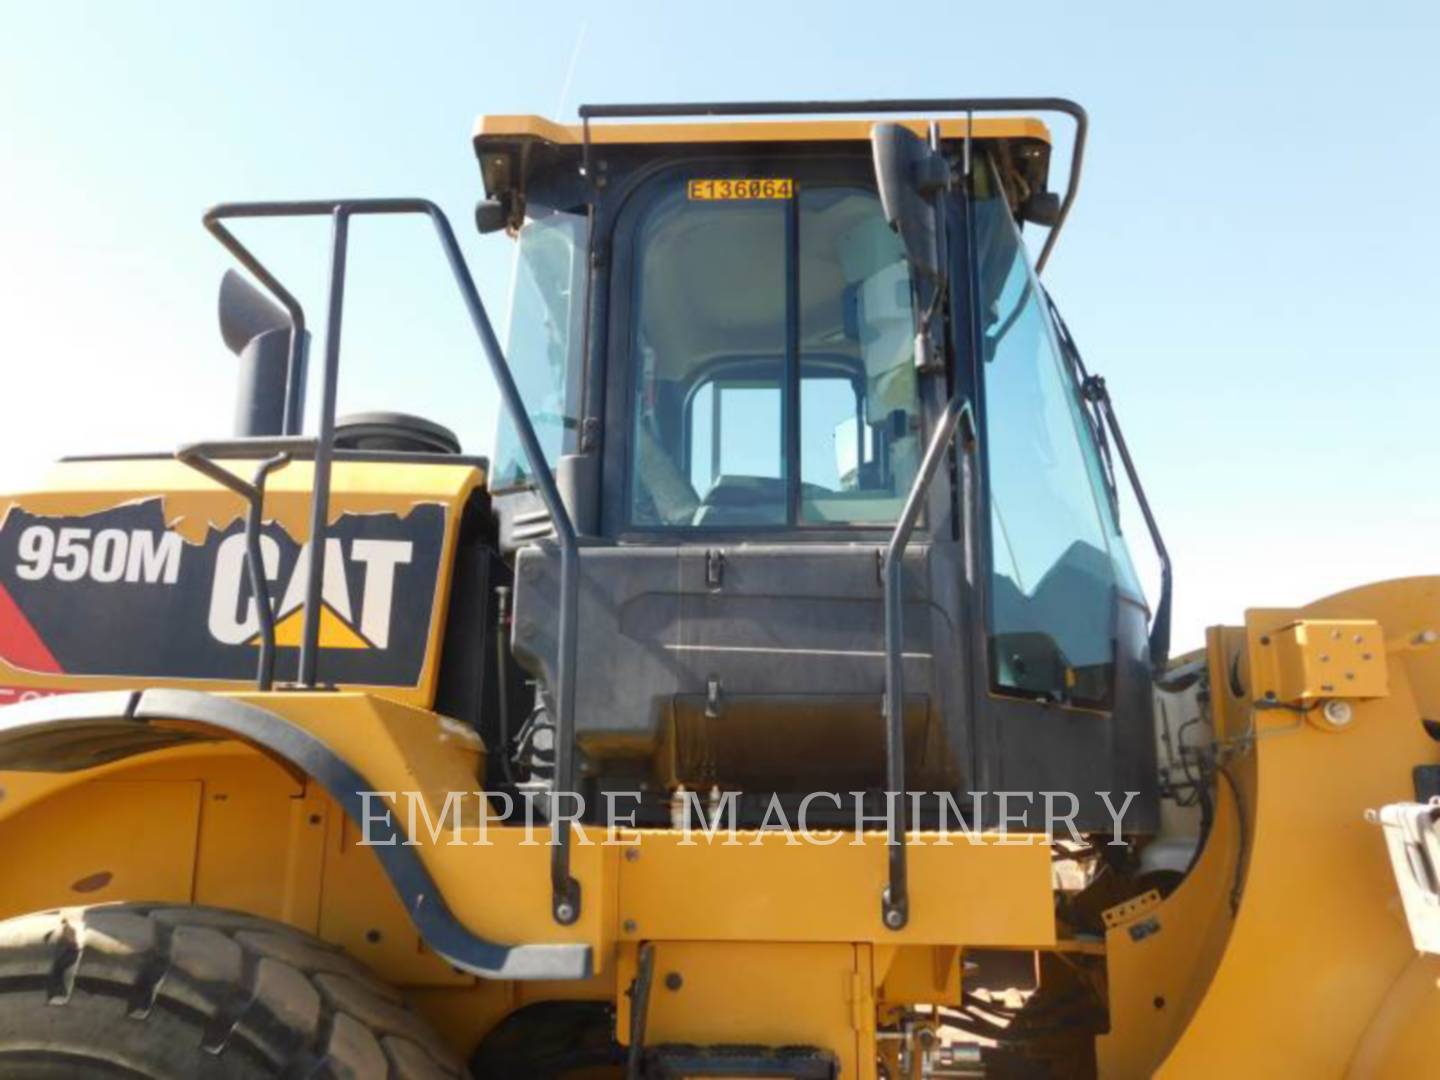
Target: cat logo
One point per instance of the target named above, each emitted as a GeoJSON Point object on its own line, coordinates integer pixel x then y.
{"type": "Point", "coordinates": [371, 562]}
{"type": "Point", "coordinates": [119, 593]}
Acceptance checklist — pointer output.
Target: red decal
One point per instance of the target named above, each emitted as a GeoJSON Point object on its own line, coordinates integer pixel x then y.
{"type": "Point", "coordinates": [20, 645]}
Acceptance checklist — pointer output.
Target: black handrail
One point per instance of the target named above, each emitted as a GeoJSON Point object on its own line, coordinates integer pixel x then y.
{"type": "Point", "coordinates": [895, 901]}
{"type": "Point", "coordinates": [1064, 106]}
{"type": "Point", "coordinates": [565, 890]}
{"type": "Point", "coordinates": [1094, 391]}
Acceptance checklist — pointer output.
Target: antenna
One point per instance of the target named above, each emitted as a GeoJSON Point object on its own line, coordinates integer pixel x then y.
{"type": "Point", "coordinates": [570, 69]}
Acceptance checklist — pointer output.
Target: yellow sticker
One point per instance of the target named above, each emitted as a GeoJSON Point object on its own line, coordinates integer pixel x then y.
{"type": "Point", "coordinates": [774, 188]}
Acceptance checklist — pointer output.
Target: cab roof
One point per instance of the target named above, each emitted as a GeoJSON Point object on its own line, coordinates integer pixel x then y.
{"type": "Point", "coordinates": [493, 130]}
{"type": "Point", "coordinates": [511, 147]}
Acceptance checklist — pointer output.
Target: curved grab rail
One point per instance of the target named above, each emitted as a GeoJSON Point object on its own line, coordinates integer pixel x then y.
{"type": "Point", "coordinates": [564, 888]}
{"type": "Point", "coordinates": [895, 902]}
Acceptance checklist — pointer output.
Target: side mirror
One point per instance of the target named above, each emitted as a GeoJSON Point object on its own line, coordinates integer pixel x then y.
{"type": "Point", "coordinates": [1041, 208]}
{"type": "Point", "coordinates": [908, 174]}
{"type": "Point", "coordinates": [491, 215]}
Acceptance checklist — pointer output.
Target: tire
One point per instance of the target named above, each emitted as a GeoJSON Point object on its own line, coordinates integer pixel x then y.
{"type": "Point", "coordinates": [156, 991]}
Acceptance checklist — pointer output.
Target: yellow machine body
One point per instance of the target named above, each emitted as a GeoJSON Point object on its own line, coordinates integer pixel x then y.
{"type": "Point", "coordinates": [1282, 953]}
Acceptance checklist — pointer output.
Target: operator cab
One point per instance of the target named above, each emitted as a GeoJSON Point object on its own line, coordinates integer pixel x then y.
{"type": "Point", "coordinates": [714, 330]}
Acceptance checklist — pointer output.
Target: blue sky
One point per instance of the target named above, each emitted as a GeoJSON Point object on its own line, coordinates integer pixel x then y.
{"type": "Point", "coordinates": [1251, 262]}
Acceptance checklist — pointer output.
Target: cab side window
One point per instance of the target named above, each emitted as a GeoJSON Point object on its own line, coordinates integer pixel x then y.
{"type": "Point", "coordinates": [1053, 576]}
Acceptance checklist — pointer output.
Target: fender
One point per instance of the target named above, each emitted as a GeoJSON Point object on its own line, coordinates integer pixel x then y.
{"type": "Point", "coordinates": [74, 732]}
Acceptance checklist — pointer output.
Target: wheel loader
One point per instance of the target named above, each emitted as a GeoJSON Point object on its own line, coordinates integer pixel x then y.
{"type": "Point", "coordinates": [778, 698]}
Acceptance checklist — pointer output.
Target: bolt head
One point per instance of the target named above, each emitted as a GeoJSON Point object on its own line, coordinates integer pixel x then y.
{"type": "Point", "coordinates": [629, 926]}
{"type": "Point", "coordinates": [565, 912]}
{"type": "Point", "coordinates": [1338, 713]}
{"type": "Point", "coordinates": [894, 919]}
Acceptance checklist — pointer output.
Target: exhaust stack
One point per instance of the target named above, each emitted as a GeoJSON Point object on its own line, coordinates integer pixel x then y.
{"type": "Point", "coordinates": [258, 332]}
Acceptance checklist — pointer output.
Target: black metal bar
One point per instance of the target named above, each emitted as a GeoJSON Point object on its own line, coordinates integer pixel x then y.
{"type": "Point", "coordinates": [1096, 391]}
{"type": "Point", "coordinates": [895, 901]}
{"type": "Point", "coordinates": [1064, 106]}
{"type": "Point", "coordinates": [259, 582]}
{"type": "Point", "coordinates": [640, 1011]}
{"type": "Point", "coordinates": [294, 446]}
{"type": "Point", "coordinates": [791, 466]}
{"type": "Point", "coordinates": [254, 495]}
{"type": "Point", "coordinates": [565, 889]}
{"type": "Point", "coordinates": [324, 450]}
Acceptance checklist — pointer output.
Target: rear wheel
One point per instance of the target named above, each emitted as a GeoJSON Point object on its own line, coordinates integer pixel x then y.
{"type": "Point", "coordinates": [148, 990]}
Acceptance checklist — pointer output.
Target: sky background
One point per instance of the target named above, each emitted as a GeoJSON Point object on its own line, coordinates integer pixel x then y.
{"type": "Point", "coordinates": [1250, 263]}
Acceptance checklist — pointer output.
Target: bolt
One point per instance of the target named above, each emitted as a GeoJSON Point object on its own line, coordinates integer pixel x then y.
{"type": "Point", "coordinates": [631, 854]}
{"type": "Point", "coordinates": [894, 919]}
{"type": "Point", "coordinates": [314, 819]}
{"type": "Point", "coordinates": [373, 936]}
{"type": "Point", "coordinates": [1324, 658]}
{"type": "Point", "coordinates": [629, 926]}
{"type": "Point", "coordinates": [1159, 1001]}
{"type": "Point", "coordinates": [1338, 713]}
{"type": "Point", "coordinates": [673, 981]}
{"type": "Point", "coordinates": [1264, 639]}
{"type": "Point", "coordinates": [565, 911]}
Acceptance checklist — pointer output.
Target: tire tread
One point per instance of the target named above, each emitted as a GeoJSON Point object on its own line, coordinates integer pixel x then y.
{"type": "Point", "coordinates": [253, 990]}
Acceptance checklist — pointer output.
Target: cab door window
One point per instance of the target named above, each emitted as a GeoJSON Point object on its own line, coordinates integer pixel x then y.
{"type": "Point", "coordinates": [773, 381]}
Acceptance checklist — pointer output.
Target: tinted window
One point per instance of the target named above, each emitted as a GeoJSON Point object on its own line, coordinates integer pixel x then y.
{"type": "Point", "coordinates": [1053, 579]}
{"type": "Point", "coordinates": [859, 409]}
{"type": "Point", "coordinates": [543, 343]}
{"type": "Point", "coordinates": [735, 299]}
